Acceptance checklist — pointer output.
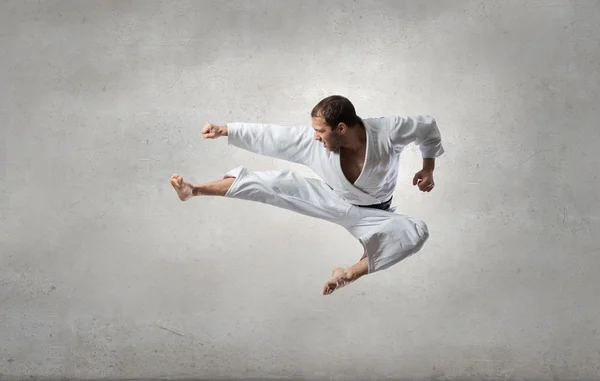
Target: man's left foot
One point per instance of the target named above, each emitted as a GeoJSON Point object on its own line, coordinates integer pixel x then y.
{"type": "Point", "coordinates": [335, 282]}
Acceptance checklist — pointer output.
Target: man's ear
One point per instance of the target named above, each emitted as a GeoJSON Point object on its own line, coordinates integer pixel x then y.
{"type": "Point", "coordinates": [342, 128]}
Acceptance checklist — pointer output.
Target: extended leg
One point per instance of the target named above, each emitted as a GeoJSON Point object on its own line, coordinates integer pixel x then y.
{"type": "Point", "coordinates": [185, 190]}
{"type": "Point", "coordinates": [342, 277]}
{"type": "Point", "coordinates": [281, 188]}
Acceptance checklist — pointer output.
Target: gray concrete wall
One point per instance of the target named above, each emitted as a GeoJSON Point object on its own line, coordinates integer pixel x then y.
{"type": "Point", "coordinates": [104, 273]}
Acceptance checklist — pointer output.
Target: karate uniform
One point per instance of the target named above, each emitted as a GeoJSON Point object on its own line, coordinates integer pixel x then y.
{"type": "Point", "coordinates": [387, 237]}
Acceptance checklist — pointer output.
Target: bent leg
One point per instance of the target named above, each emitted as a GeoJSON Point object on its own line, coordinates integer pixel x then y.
{"type": "Point", "coordinates": [388, 238]}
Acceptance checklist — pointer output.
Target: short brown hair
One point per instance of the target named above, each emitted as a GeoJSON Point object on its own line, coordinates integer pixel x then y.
{"type": "Point", "coordinates": [336, 109]}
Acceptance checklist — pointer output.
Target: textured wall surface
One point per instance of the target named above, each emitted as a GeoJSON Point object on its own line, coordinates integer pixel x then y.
{"type": "Point", "coordinates": [104, 273]}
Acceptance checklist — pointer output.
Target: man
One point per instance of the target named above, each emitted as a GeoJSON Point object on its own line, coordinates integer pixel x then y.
{"type": "Point", "coordinates": [357, 160]}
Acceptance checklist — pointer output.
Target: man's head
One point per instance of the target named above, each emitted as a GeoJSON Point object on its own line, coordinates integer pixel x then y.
{"type": "Point", "coordinates": [332, 119]}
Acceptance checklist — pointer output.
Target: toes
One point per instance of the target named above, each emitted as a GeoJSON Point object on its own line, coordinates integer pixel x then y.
{"type": "Point", "coordinates": [176, 180]}
{"type": "Point", "coordinates": [329, 287]}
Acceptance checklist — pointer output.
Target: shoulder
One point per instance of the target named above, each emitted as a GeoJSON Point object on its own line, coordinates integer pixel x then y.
{"type": "Point", "coordinates": [397, 121]}
{"type": "Point", "coordinates": [382, 124]}
{"type": "Point", "coordinates": [378, 121]}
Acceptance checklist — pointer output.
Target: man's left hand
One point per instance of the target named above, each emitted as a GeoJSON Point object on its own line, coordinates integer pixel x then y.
{"type": "Point", "coordinates": [424, 180]}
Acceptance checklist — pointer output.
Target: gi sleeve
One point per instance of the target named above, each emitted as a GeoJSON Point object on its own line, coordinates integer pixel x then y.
{"type": "Point", "coordinates": [291, 143]}
{"type": "Point", "coordinates": [421, 130]}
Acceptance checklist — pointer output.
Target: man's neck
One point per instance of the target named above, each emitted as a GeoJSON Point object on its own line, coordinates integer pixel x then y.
{"type": "Point", "coordinates": [356, 139]}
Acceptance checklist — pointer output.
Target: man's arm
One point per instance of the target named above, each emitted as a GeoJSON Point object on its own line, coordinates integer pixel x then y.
{"type": "Point", "coordinates": [428, 164]}
{"type": "Point", "coordinates": [421, 130]}
{"type": "Point", "coordinates": [291, 143]}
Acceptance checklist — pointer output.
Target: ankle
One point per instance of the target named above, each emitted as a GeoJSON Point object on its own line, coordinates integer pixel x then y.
{"type": "Point", "coordinates": [198, 190]}
{"type": "Point", "coordinates": [349, 275]}
{"type": "Point", "coordinates": [218, 188]}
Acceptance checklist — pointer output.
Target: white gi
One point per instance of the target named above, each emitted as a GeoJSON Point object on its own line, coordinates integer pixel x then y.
{"type": "Point", "coordinates": [386, 237]}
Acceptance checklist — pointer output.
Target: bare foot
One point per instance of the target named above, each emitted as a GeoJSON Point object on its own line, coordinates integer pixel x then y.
{"type": "Point", "coordinates": [184, 190]}
{"type": "Point", "coordinates": [335, 282]}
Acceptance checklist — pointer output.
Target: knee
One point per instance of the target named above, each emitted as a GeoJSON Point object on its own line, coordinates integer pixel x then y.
{"type": "Point", "coordinates": [419, 234]}
{"type": "Point", "coordinates": [422, 230]}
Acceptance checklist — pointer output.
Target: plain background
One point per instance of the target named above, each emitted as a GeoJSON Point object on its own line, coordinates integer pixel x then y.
{"type": "Point", "coordinates": [104, 273]}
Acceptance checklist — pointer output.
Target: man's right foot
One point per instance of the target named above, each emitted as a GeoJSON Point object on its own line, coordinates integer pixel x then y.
{"type": "Point", "coordinates": [336, 281]}
{"type": "Point", "coordinates": [184, 190]}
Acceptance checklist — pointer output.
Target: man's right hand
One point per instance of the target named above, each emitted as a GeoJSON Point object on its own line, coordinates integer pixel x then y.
{"type": "Point", "coordinates": [210, 131]}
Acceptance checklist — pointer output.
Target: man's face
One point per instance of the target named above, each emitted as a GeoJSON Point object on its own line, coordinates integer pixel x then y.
{"type": "Point", "coordinates": [331, 138]}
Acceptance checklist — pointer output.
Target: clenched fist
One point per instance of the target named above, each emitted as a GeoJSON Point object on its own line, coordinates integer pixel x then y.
{"type": "Point", "coordinates": [210, 131]}
{"type": "Point", "coordinates": [424, 180]}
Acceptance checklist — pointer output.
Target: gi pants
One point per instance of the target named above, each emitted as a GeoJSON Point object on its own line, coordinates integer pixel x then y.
{"type": "Point", "coordinates": [387, 237]}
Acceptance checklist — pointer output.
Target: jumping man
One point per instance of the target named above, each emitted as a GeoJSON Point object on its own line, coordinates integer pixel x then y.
{"type": "Point", "coordinates": [357, 161]}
